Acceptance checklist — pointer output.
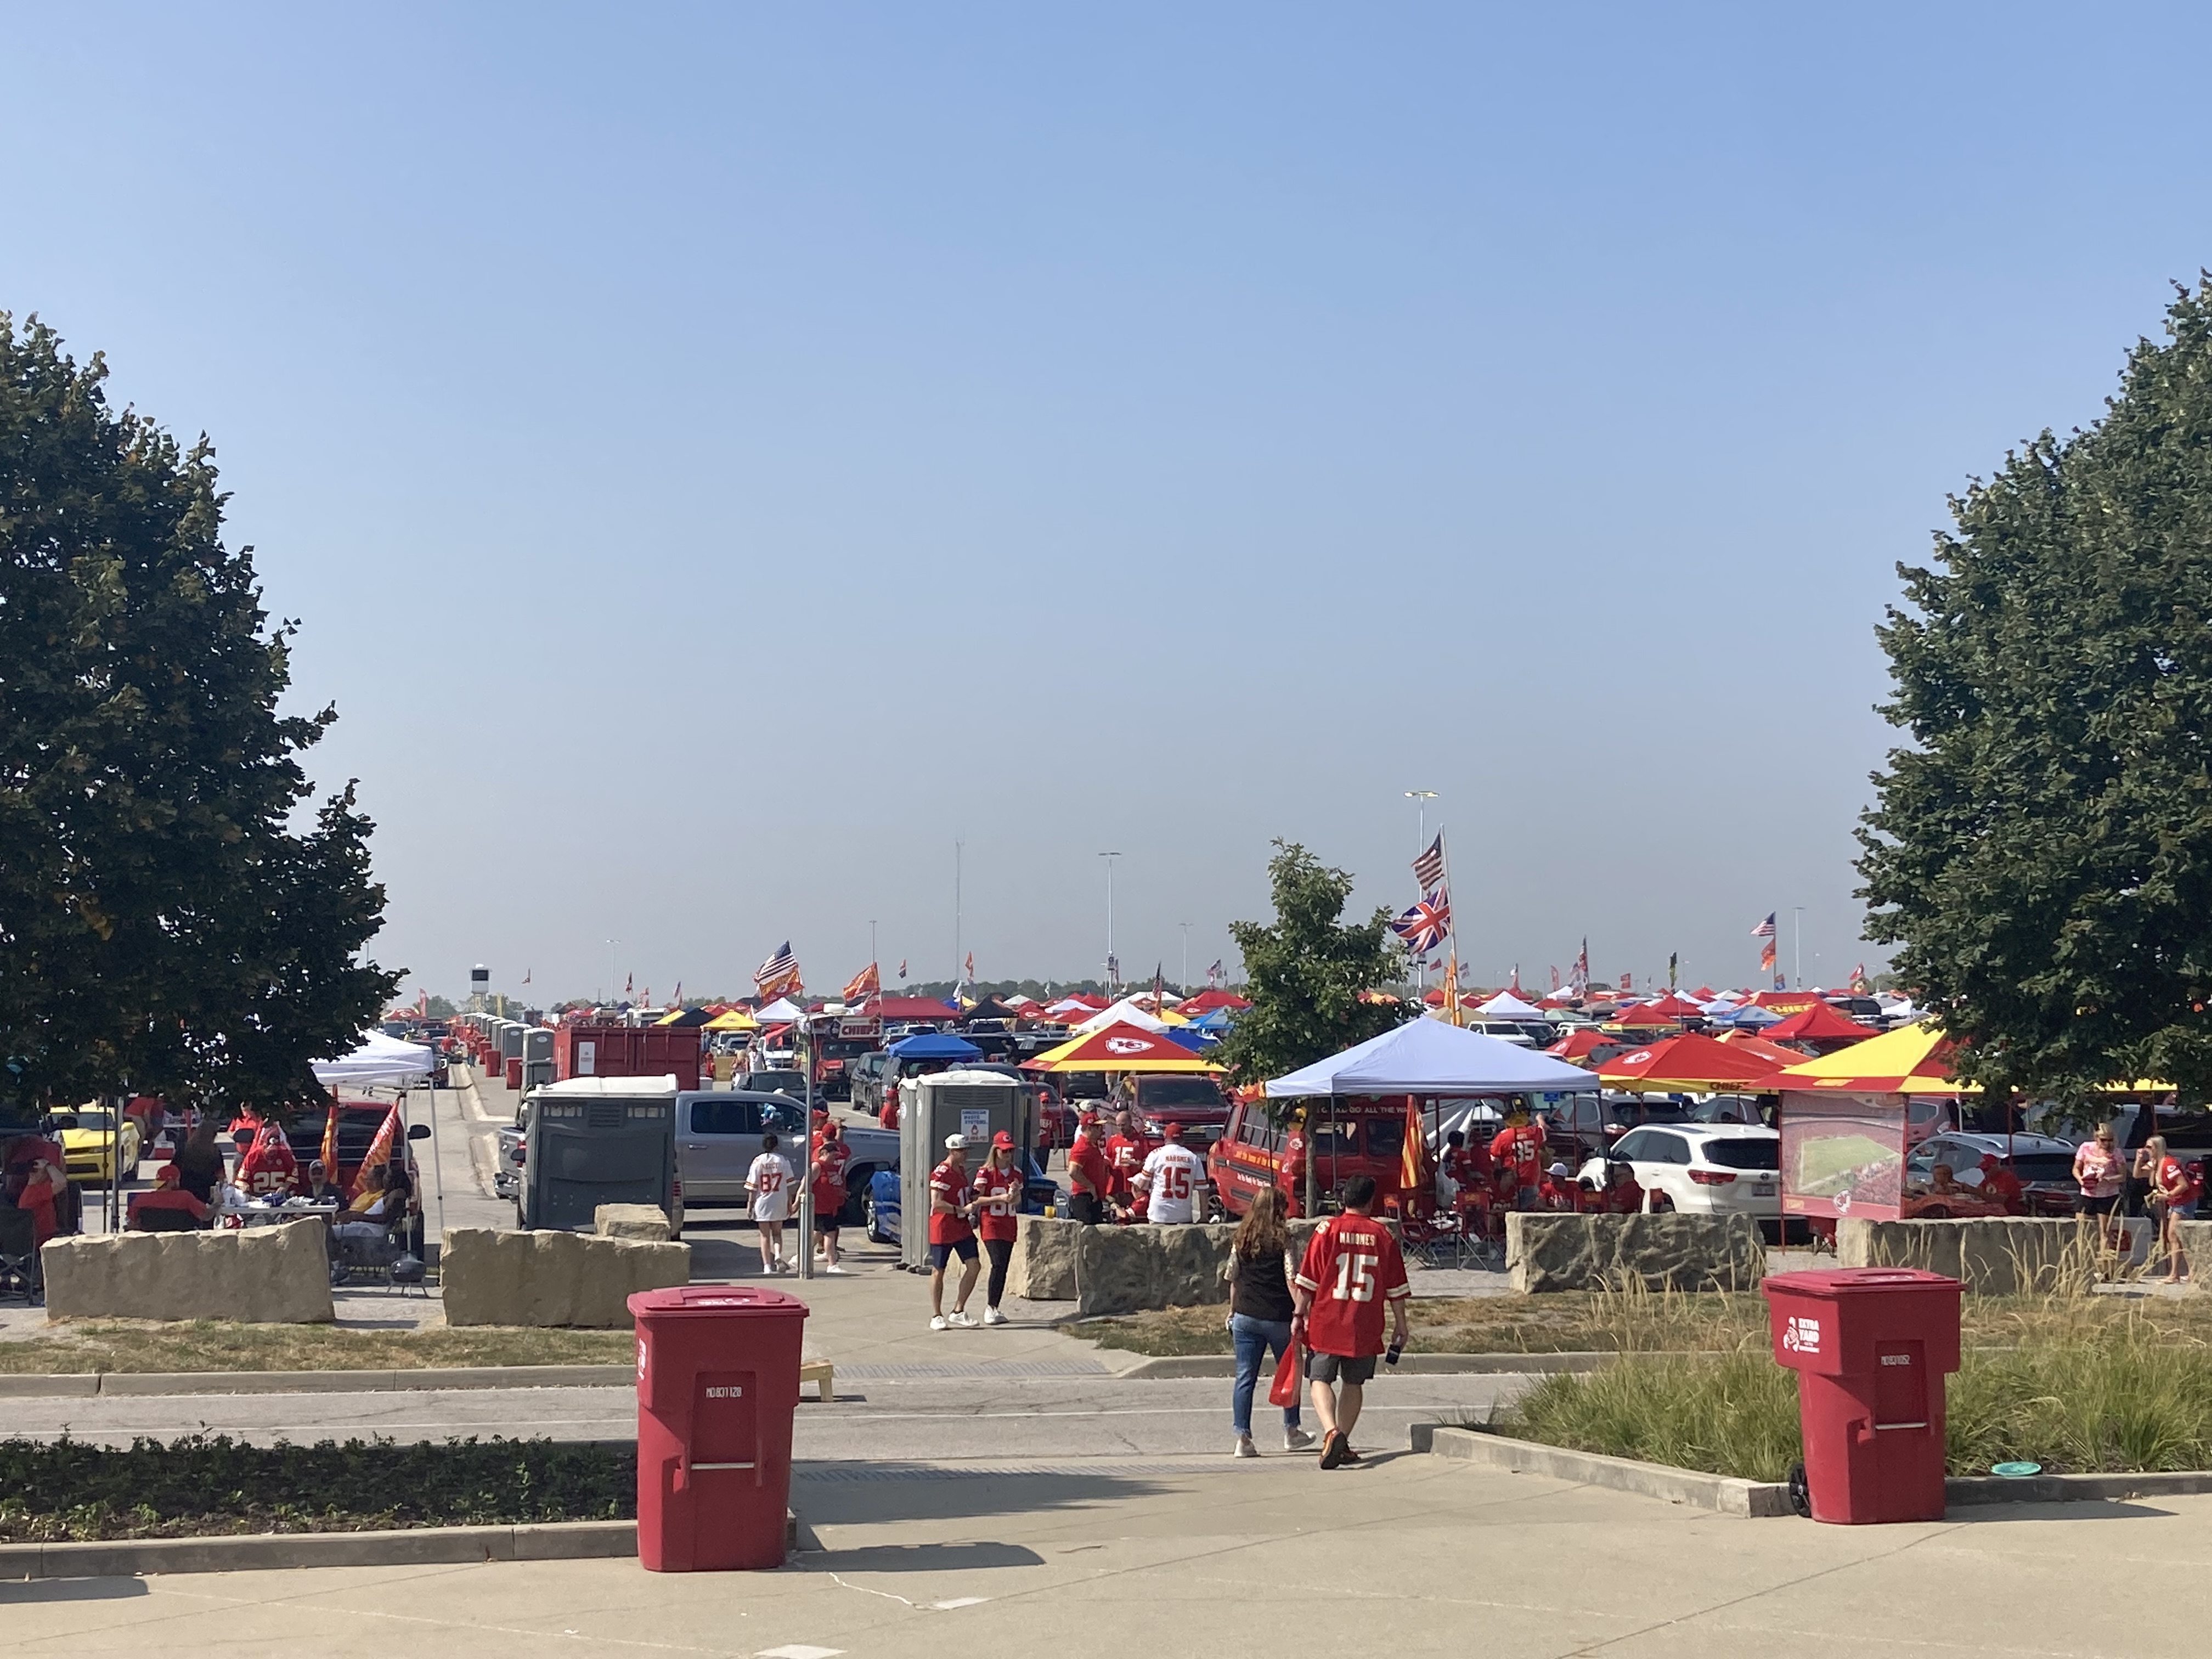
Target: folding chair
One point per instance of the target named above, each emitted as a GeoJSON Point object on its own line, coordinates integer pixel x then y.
{"type": "Point", "coordinates": [19, 1255]}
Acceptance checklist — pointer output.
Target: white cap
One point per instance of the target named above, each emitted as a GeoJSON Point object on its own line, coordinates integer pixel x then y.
{"type": "Point", "coordinates": [1559, 1169]}
{"type": "Point", "coordinates": [956, 1143]}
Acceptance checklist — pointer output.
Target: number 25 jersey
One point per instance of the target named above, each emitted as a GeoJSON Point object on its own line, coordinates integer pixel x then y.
{"type": "Point", "coordinates": [1352, 1267]}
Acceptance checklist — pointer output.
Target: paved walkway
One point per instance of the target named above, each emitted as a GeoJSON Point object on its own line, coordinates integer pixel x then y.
{"type": "Point", "coordinates": [1171, 1557]}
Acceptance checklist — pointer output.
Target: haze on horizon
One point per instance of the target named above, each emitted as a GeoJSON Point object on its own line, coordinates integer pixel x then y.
{"type": "Point", "coordinates": [720, 459]}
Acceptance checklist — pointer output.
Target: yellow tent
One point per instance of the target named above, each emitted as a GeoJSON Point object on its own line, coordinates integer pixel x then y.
{"type": "Point", "coordinates": [1119, 1047]}
{"type": "Point", "coordinates": [1913, 1060]}
{"type": "Point", "coordinates": [731, 1019]}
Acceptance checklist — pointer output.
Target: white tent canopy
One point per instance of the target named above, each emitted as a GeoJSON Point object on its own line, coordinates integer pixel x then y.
{"type": "Point", "coordinates": [1428, 1057]}
{"type": "Point", "coordinates": [379, 1060]}
{"type": "Point", "coordinates": [1507, 1005]}
{"type": "Point", "coordinates": [1124, 1012]}
{"type": "Point", "coordinates": [782, 1011]}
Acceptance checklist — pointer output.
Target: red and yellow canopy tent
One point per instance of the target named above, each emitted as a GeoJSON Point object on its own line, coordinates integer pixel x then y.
{"type": "Point", "coordinates": [1119, 1047]}
{"type": "Point", "coordinates": [1690, 1064]}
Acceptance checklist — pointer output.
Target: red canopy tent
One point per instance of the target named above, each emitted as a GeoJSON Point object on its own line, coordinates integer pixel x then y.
{"type": "Point", "coordinates": [1748, 1043]}
{"type": "Point", "coordinates": [908, 1008]}
{"type": "Point", "coordinates": [1690, 1064]}
{"type": "Point", "coordinates": [1587, 1046]}
{"type": "Point", "coordinates": [1818, 1023]}
{"type": "Point", "coordinates": [1205, 1002]}
{"type": "Point", "coordinates": [1119, 1046]}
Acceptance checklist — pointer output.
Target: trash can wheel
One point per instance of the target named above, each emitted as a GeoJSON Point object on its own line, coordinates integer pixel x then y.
{"type": "Point", "coordinates": [1801, 1495]}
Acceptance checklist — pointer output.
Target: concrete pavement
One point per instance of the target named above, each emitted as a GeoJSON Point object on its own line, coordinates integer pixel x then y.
{"type": "Point", "coordinates": [1165, 1556]}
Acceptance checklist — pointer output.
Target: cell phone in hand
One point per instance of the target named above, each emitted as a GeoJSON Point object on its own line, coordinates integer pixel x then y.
{"type": "Point", "coordinates": [1390, 1354]}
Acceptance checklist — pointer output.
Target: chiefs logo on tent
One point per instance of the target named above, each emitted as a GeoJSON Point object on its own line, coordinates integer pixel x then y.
{"type": "Point", "coordinates": [1122, 1045]}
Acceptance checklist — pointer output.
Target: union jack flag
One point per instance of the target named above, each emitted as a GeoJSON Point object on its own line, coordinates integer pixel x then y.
{"type": "Point", "coordinates": [1424, 927]}
{"type": "Point", "coordinates": [1765, 929]}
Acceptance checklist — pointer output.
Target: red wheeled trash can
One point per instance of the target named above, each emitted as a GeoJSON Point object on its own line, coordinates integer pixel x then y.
{"type": "Point", "coordinates": [717, 1387]}
{"type": "Point", "coordinates": [515, 1072]}
{"type": "Point", "coordinates": [1871, 1347]}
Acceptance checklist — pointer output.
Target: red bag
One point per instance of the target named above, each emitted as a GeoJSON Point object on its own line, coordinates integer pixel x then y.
{"type": "Point", "coordinates": [1284, 1391]}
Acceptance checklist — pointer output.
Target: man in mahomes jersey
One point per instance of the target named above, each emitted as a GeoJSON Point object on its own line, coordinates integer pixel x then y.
{"type": "Point", "coordinates": [1352, 1268]}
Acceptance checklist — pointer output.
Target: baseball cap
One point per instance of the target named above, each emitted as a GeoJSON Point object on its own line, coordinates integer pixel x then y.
{"type": "Point", "coordinates": [1559, 1169]}
{"type": "Point", "coordinates": [1173, 1131]}
{"type": "Point", "coordinates": [1002, 1142]}
{"type": "Point", "coordinates": [956, 1143]}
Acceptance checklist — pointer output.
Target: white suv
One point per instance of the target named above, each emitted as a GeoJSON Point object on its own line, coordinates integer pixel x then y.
{"type": "Point", "coordinates": [1701, 1169]}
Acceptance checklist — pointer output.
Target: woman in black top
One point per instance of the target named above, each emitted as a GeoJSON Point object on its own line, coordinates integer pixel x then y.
{"type": "Point", "coordinates": [199, 1161]}
{"type": "Point", "coordinates": [1260, 1309]}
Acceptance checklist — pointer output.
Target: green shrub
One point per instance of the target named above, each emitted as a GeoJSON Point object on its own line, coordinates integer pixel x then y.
{"type": "Point", "coordinates": [54, 1492]}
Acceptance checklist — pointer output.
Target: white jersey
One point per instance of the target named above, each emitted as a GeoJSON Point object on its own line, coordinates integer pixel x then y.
{"type": "Point", "coordinates": [1170, 1177]}
{"type": "Point", "coordinates": [771, 1181]}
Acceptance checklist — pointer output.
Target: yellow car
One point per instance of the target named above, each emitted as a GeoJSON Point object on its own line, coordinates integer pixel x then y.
{"type": "Point", "coordinates": [89, 1137]}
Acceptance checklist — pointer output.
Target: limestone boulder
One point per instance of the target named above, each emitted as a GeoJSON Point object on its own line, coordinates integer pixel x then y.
{"type": "Point", "coordinates": [1678, 1252]}
{"type": "Point", "coordinates": [495, 1277]}
{"type": "Point", "coordinates": [648, 1221]}
{"type": "Point", "coordinates": [1128, 1269]}
{"type": "Point", "coordinates": [2195, 1238]}
{"type": "Point", "coordinates": [1043, 1268]}
{"type": "Point", "coordinates": [278, 1275]}
{"type": "Point", "coordinates": [2001, 1255]}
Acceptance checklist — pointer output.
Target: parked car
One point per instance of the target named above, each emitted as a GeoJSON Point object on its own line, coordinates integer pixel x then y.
{"type": "Point", "coordinates": [864, 1077]}
{"type": "Point", "coordinates": [1194, 1101]}
{"type": "Point", "coordinates": [1701, 1169]}
{"type": "Point", "coordinates": [1055, 1124]}
{"type": "Point", "coordinates": [881, 1202]}
{"type": "Point", "coordinates": [790, 1085]}
{"type": "Point", "coordinates": [1360, 1135]}
{"type": "Point", "coordinates": [718, 1135]}
{"type": "Point", "coordinates": [95, 1145]}
{"type": "Point", "coordinates": [2043, 1163]}
{"type": "Point", "coordinates": [358, 1122]}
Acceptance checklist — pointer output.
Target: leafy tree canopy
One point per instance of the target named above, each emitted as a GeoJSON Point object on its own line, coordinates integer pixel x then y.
{"type": "Point", "coordinates": [2042, 852]}
{"type": "Point", "coordinates": [163, 924]}
{"type": "Point", "coordinates": [1305, 974]}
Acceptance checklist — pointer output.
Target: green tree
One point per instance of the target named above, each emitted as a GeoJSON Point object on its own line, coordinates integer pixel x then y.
{"type": "Point", "coordinates": [1306, 973]}
{"type": "Point", "coordinates": [2042, 852]}
{"type": "Point", "coordinates": [162, 921]}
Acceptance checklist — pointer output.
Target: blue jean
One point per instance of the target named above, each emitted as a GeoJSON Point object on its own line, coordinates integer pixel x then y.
{"type": "Point", "coordinates": [1254, 1339]}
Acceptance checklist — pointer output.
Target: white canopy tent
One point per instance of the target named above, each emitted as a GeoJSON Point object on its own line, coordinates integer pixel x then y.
{"type": "Point", "coordinates": [1124, 1012]}
{"type": "Point", "coordinates": [379, 1060]}
{"type": "Point", "coordinates": [1507, 1005]}
{"type": "Point", "coordinates": [1428, 1057]}
{"type": "Point", "coordinates": [782, 1011]}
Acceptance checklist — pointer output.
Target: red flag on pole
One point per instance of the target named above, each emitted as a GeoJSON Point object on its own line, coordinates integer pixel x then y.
{"type": "Point", "coordinates": [378, 1155]}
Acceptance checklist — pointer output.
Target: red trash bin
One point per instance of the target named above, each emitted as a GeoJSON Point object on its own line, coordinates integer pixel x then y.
{"type": "Point", "coordinates": [515, 1072]}
{"type": "Point", "coordinates": [717, 1387]}
{"type": "Point", "coordinates": [1871, 1347]}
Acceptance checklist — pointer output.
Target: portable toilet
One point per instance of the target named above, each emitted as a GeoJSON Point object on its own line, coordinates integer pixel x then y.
{"type": "Point", "coordinates": [596, 1140]}
{"type": "Point", "coordinates": [975, 1105]}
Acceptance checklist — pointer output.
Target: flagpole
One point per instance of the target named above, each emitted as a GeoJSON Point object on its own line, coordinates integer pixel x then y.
{"type": "Point", "coordinates": [1421, 797]}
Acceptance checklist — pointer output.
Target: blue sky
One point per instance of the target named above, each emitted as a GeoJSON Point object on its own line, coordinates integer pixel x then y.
{"type": "Point", "coordinates": [721, 456]}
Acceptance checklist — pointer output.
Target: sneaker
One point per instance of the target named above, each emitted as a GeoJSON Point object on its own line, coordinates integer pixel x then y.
{"type": "Point", "coordinates": [938, 1323]}
{"type": "Point", "coordinates": [834, 1268]}
{"type": "Point", "coordinates": [962, 1318]}
{"type": "Point", "coordinates": [1332, 1448]}
{"type": "Point", "coordinates": [1244, 1448]}
{"type": "Point", "coordinates": [1350, 1455]}
{"type": "Point", "coordinates": [1296, 1440]}
{"type": "Point", "coordinates": [993, 1316]}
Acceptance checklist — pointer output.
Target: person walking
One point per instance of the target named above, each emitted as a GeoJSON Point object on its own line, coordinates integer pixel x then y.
{"type": "Point", "coordinates": [832, 1154]}
{"type": "Point", "coordinates": [1090, 1176]}
{"type": "Point", "coordinates": [2096, 1172]}
{"type": "Point", "coordinates": [2173, 1193]}
{"type": "Point", "coordinates": [768, 1184]}
{"type": "Point", "coordinates": [998, 1205]}
{"type": "Point", "coordinates": [1352, 1268]}
{"type": "Point", "coordinates": [1260, 1308]}
{"type": "Point", "coordinates": [1169, 1182]}
{"type": "Point", "coordinates": [952, 1234]}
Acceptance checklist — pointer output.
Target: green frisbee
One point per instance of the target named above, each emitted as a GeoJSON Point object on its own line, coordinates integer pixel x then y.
{"type": "Point", "coordinates": [2015, 1471]}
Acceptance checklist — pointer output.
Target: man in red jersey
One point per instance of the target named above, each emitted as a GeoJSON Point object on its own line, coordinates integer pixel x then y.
{"type": "Point", "coordinates": [951, 1234]}
{"type": "Point", "coordinates": [1352, 1268]}
{"type": "Point", "coordinates": [1517, 1153]}
{"type": "Point", "coordinates": [1126, 1149]}
{"type": "Point", "coordinates": [831, 1155]}
{"type": "Point", "coordinates": [1090, 1176]}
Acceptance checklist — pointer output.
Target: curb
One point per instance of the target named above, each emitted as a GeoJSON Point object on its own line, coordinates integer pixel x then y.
{"type": "Point", "coordinates": [1412, 1365]}
{"type": "Point", "coordinates": [1764, 1499]}
{"type": "Point", "coordinates": [556, 1540]}
{"type": "Point", "coordinates": [74, 1385]}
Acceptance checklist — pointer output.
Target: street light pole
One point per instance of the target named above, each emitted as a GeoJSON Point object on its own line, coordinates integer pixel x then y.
{"type": "Point", "coordinates": [1113, 978]}
{"type": "Point", "coordinates": [614, 953]}
{"type": "Point", "coordinates": [1184, 984]}
{"type": "Point", "coordinates": [1421, 797]}
{"type": "Point", "coordinates": [1798, 912]}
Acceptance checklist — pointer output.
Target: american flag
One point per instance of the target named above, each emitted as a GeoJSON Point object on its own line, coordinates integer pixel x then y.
{"type": "Point", "coordinates": [1213, 974]}
{"type": "Point", "coordinates": [1579, 979]}
{"type": "Point", "coordinates": [779, 973]}
{"type": "Point", "coordinates": [1429, 868]}
{"type": "Point", "coordinates": [1424, 927]}
{"type": "Point", "coordinates": [1765, 929]}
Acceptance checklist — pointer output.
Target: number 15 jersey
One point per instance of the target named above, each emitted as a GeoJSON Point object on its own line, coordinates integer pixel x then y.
{"type": "Point", "coordinates": [1352, 1267]}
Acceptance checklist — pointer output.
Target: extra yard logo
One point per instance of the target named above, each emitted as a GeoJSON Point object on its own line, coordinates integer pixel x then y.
{"type": "Point", "coordinates": [1128, 1046]}
{"type": "Point", "coordinates": [1801, 1335]}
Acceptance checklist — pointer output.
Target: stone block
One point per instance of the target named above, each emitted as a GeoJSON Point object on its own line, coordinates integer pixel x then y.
{"type": "Point", "coordinates": [500, 1278]}
{"type": "Point", "coordinates": [1043, 1265]}
{"type": "Point", "coordinates": [2195, 1238]}
{"type": "Point", "coordinates": [2000, 1256]}
{"type": "Point", "coordinates": [1546, 1252]}
{"type": "Point", "coordinates": [1128, 1269]}
{"type": "Point", "coordinates": [274, 1275]}
{"type": "Point", "coordinates": [648, 1221]}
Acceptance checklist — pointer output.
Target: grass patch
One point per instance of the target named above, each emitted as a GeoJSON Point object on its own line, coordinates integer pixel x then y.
{"type": "Point", "coordinates": [208, 1486]}
{"type": "Point", "coordinates": [121, 1345]}
{"type": "Point", "coordinates": [1638, 1321]}
{"type": "Point", "coordinates": [2117, 1397]}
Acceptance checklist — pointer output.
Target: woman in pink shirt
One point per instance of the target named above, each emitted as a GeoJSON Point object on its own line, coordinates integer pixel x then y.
{"type": "Point", "coordinates": [2098, 1170]}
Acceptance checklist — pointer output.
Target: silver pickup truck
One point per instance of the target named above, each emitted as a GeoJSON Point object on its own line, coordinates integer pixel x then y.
{"type": "Point", "coordinates": [718, 1135]}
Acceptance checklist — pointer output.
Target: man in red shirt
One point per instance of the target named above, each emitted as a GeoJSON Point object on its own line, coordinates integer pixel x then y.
{"type": "Point", "coordinates": [998, 1207]}
{"type": "Point", "coordinates": [1126, 1149]}
{"type": "Point", "coordinates": [1623, 1195]}
{"type": "Point", "coordinates": [2001, 1185]}
{"type": "Point", "coordinates": [951, 1235]}
{"type": "Point", "coordinates": [1090, 1176]}
{"type": "Point", "coordinates": [1517, 1152]}
{"type": "Point", "coordinates": [1292, 1183]}
{"type": "Point", "coordinates": [1351, 1267]}
{"type": "Point", "coordinates": [831, 1155]}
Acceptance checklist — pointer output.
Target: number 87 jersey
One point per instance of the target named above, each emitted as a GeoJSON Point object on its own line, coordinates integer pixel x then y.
{"type": "Point", "coordinates": [1352, 1266]}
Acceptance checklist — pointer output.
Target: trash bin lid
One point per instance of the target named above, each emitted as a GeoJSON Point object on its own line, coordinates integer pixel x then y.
{"type": "Point", "coordinates": [715, 1301]}
{"type": "Point", "coordinates": [1858, 1281]}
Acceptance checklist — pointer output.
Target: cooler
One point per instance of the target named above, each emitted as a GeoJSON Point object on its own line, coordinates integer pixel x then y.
{"type": "Point", "coordinates": [717, 1385]}
{"type": "Point", "coordinates": [1871, 1347]}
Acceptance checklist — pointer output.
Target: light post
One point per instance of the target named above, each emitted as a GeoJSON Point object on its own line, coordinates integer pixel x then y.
{"type": "Point", "coordinates": [614, 955]}
{"type": "Point", "coordinates": [1421, 797]}
{"type": "Point", "coordinates": [1184, 984]}
{"type": "Point", "coordinates": [1797, 913]}
{"type": "Point", "coordinates": [1113, 978]}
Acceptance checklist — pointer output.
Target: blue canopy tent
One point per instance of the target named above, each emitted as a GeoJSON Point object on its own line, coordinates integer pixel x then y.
{"type": "Point", "coordinates": [1216, 1020]}
{"type": "Point", "coordinates": [1191, 1036]}
{"type": "Point", "coordinates": [934, 1046]}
